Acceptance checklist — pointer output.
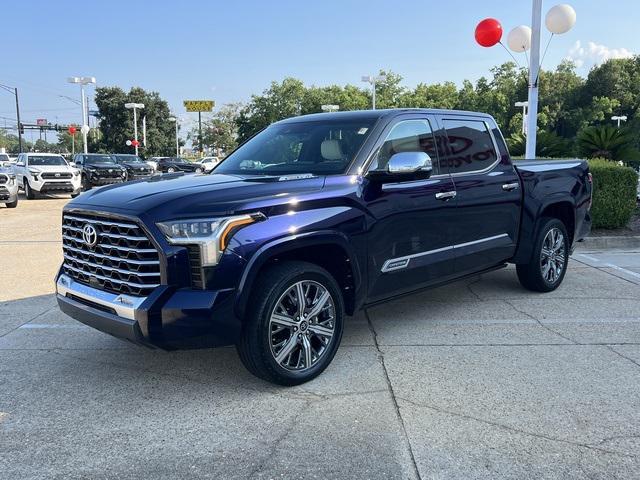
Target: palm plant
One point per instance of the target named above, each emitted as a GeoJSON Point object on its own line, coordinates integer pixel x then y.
{"type": "Point", "coordinates": [605, 142]}
{"type": "Point", "coordinates": [548, 144]}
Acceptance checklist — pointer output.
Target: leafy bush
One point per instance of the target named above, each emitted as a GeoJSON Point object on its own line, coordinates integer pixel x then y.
{"type": "Point", "coordinates": [605, 142]}
{"type": "Point", "coordinates": [614, 193]}
{"type": "Point", "coordinates": [548, 144]}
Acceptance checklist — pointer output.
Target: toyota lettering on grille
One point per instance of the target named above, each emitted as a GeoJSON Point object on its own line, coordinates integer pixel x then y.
{"type": "Point", "coordinates": [89, 235]}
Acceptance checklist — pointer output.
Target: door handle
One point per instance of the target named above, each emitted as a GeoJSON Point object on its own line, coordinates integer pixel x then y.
{"type": "Point", "coordinates": [446, 195]}
{"type": "Point", "coordinates": [507, 187]}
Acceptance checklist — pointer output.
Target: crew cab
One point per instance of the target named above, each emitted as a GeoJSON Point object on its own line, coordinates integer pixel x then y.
{"type": "Point", "coordinates": [8, 186]}
{"type": "Point", "coordinates": [99, 169]}
{"type": "Point", "coordinates": [136, 167]}
{"type": "Point", "coordinates": [46, 173]}
{"type": "Point", "coordinates": [176, 164]}
{"type": "Point", "coordinates": [312, 219]}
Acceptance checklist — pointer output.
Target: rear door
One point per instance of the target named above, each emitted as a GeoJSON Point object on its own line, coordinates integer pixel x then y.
{"type": "Point", "coordinates": [488, 195]}
{"type": "Point", "coordinates": [409, 241]}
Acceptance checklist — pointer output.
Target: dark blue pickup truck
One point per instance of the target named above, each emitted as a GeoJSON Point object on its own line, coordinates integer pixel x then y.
{"type": "Point", "coordinates": [310, 220]}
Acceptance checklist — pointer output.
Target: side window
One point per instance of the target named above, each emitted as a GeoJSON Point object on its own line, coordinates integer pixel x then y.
{"type": "Point", "coordinates": [469, 147]}
{"type": "Point", "coordinates": [407, 136]}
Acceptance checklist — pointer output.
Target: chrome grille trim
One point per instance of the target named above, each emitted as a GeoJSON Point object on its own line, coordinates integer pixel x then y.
{"type": "Point", "coordinates": [123, 261]}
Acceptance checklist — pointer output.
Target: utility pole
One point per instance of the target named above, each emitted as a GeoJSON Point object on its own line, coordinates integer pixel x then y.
{"type": "Point", "coordinates": [18, 118]}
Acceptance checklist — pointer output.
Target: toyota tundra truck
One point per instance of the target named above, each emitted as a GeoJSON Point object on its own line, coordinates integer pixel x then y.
{"type": "Point", "coordinates": [312, 219]}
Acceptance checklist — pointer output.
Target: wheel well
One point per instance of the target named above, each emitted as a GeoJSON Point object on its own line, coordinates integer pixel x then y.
{"type": "Point", "coordinates": [332, 258]}
{"type": "Point", "coordinates": [564, 212]}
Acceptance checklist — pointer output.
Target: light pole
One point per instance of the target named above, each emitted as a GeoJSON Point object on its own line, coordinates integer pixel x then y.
{"type": "Point", "coordinates": [134, 107]}
{"type": "Point", "coordinates": [82, 81]}
{"type": "Point", "coordinates": [524, 106]}
{"type": "Point", "coordinates": [330, 108]}
{"type": "Point", "coordinates": [373, 80]}
{"type": "Point", "coordinates": [175, 119]}
{"type": "Point", "coordinates": [619, 118]}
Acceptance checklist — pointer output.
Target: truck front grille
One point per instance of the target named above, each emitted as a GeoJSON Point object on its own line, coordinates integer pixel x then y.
{"type": "Point", "coordinates": [119, 259]}
{"type": "Point", "coordinates": [56, 176]}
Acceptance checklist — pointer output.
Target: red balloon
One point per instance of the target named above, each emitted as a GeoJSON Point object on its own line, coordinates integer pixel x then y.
{"type": "Point", "coordinates": [72, 130]}
{"type": "Point", "coordinates": [488, 32]}
{"type": "Point", "coordinates": [135, 143]}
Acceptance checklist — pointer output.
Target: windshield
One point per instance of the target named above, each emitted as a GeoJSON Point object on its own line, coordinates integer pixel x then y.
{"type": "Point", "coordinates": [4, 157]}
{"type": "Point", "coordinates": [319, 148]}
{"type": "Point", "coordinates": [93, 159]}
{"type": "Point", "coordinates": [46, 161]}
{"type": "Point", "coordinates": [127, 159]}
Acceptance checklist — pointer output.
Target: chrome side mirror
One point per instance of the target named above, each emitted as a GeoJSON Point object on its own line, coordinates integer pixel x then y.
{"type": "Point", "coordinates": [408, 163]}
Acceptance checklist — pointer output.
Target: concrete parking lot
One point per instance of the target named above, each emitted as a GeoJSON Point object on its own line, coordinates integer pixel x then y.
{"type": "Point", "coordinates": [478, 379]}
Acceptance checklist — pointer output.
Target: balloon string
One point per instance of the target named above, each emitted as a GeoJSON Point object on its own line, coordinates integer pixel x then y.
{"type": "Point", "coordinates": [514, 58]}
{"type": "Point", "coordinates": [544, 55]}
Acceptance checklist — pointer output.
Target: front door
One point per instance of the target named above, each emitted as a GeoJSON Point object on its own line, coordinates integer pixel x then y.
{"type": "Point", "coordinates": [411, 229]}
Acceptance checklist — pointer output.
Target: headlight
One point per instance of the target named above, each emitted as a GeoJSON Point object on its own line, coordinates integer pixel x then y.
{"type": "Point", "coordinates": [76, 173]}
{"type": "Point", "coordinates": [34, 172]}
{"type": "Point", "coordinates": [12, 180]}
{"type": "Point", "coordinates": [211, 234]}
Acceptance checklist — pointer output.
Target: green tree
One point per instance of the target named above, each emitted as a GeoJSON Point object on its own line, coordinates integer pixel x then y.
{"type": "Point", "coordinates": [116, 122]}
{"type": "Point", "coordinates": [220, 131]}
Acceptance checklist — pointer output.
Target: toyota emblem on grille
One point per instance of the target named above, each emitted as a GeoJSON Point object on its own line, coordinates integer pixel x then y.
{"type": "Point", "coordinates": [57, 174]}
{"type": "Point", "coordinates": [89, 235]}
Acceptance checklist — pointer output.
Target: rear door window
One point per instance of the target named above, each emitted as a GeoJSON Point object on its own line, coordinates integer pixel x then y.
{"type": "Point", "coordinates": [469, 146]}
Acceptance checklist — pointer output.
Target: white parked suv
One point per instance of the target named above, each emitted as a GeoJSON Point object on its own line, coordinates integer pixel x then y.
{"type": "Point", "coordinates": [46, 173]}
{"type": "Point", "coordinates": [8, 186]}
{"type": "Point", "coordinates": [208, 163]}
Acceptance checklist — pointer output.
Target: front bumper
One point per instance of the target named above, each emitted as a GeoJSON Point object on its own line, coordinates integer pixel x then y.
{"type": "Point", "coordinates": [8, 193]}
{"type": "Point", "coordinates": [100, 181]}
{"type": "Point", "coordinates": [168, 318]}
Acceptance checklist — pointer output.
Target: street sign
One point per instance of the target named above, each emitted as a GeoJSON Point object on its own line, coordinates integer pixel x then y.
{"type": "Point", "coordinates": [199, 105]}
{"type": "Point", "coordinates": [41, 122]}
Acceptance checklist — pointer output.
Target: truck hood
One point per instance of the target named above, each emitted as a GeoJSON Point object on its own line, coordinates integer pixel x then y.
{"type": "Point", "coordinates": [177, 195]}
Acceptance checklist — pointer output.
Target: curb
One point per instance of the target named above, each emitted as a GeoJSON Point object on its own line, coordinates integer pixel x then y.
{"type": "Point", "coordinates": [608, 243]}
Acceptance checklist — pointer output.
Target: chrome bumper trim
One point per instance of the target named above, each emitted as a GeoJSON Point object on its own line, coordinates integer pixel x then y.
{"type": "Point", "coordinates": [125, 306]}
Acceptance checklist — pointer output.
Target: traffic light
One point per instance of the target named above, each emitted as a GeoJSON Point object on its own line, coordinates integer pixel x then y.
{"type": "Point", "coordinates": [21, 128]}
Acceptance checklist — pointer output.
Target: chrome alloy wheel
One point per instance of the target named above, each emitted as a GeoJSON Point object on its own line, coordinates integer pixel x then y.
{"type": "Point", "coordinates": [553, 256]}
{"type": "Point", "coordinates": [302, 325]}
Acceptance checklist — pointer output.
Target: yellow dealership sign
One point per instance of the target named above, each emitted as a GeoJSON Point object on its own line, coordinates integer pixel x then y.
{"type": "Point", "coordinates": [199, 105]}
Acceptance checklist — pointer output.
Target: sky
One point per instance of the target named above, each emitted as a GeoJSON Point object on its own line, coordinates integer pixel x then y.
{"type": "Point", "coordinates": [227, 51]}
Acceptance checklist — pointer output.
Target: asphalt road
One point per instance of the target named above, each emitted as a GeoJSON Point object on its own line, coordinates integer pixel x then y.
{"type": "Point", "coordinates": [479, 379]}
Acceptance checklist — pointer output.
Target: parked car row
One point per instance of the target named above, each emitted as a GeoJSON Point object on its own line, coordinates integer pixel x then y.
{"type": "Point", "coordinates": [37, 173]}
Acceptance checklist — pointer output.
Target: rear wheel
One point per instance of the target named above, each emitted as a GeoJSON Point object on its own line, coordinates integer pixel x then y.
{"type": "Point", "coordinates": [171, 170]}
{"type": "Point", "coordinates": [548, 265]}
{"type": "Point", "coordinates": [28, 191]}
{"type": "Point", "coordinates": [294, 326]}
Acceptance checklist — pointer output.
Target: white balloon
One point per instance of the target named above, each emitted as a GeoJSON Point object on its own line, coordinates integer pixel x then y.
{"type": "Point", "coordinates": [128, 142]}
{"type": "Point", "coordinates": [519, 39]}
{"type": "Point", "coordinates": [560, 19]}
{"type": "Point", "coordinates": [85, 129]}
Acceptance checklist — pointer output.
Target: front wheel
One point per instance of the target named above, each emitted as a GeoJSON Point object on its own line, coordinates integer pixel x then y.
{"type": "Point", "coordinates": [86, 184]}
{"type": "Point", "coordinates": [13, 204]}
{"type": "Point", "coordinates": [28, 191]}
{"type": "Point", "coordinates": [294, 327]}
{"type": "Point", "coordinates": [171, 170]}
{"type": "Point", "coordinates": [548, 265]}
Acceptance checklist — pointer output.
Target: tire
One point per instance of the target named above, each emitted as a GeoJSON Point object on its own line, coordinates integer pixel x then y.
{"type": "Point", "coordinates": [549, 260]}
{"type": "Point", "coordinates": [13, 204]}
{"type": "Point", "coordinates": [198, 170]}
{"type": "Point", "coordinates": [264, 339]}
{"type": "Point", "coordinates": [28, 191]}
{"type": "Point", "coordinates": [171, 170]}
{"type": "Point", "coordinates": [86, 184]}
{"type": "Point", "coordinates": [74, 195]}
